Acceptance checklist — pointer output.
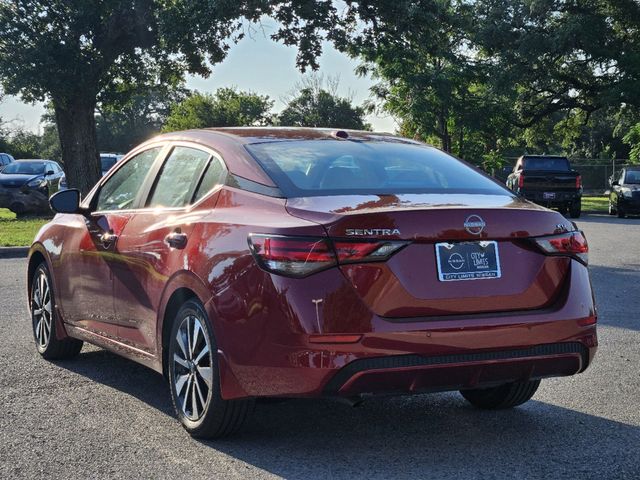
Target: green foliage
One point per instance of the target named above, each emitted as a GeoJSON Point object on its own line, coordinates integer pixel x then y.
{"type": "Point", "coordinates": [632, 138]}
{"type": "Point", "coordinates": [79, 53]}
{"type": "Point", "coordinates": [227, 107]}
{"type": "Point", "coordinates": [313, 105]}
{"type": "Point", "coordinates": [134, 114]}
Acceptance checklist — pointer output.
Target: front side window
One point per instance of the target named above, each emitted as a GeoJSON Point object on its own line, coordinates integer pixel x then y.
{"type": "Point", "coordinates": [121, 189]}
{"type": "Point", "coordinates": [179, 178]}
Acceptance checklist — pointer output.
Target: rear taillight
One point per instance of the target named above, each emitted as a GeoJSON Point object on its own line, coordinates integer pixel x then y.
{"type": "Point", "coordinates": [521, 181]}
{"type": "Point", "coordinates": [302, 256]}
{"type": "Point", "coordinates": [579, 182]}
{"type": "Point", "coordinates": [572, 244]}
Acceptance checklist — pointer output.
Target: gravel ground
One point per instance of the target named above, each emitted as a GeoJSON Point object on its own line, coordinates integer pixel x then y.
{"type": "Point", "coordinates": [100, 416]}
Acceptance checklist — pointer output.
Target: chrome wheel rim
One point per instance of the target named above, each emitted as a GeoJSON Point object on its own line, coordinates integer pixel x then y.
{"type": "Point", "coordinates": [41, 310]}
{"type": "Point", "coordinates": [192, 372]}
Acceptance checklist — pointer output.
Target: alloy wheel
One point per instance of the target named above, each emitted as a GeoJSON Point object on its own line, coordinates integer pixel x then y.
{"type": "Point", "coordinates": [192, 372]}
{"type": "Point", "coordinates": [41, 310]}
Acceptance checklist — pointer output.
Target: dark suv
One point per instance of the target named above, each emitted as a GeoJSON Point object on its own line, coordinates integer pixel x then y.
{"type": "Point", "coordinates": [549, 181]}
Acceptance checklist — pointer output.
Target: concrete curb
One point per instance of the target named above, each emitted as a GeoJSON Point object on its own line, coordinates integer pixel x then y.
{"type": "Point", "coordinates": [14, 252]}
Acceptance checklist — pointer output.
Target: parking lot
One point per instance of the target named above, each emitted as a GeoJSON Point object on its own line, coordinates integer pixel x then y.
{"type": "Point", "coordinates": [100, 416]}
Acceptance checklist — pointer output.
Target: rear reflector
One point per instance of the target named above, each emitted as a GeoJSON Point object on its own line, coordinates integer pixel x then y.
{"type": "Point", "coordinates": [579, 182]}
{"type": "Point", "coordinates": [302, 256]}
{"type": "Point", "coordinates": [572, 244]}
{"type": "Point", "coordinates": [521, 181]}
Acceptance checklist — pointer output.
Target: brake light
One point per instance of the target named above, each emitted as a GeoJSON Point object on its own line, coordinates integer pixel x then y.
{"type": "Point", "coordinates": [572, 244]}
{"type": "Point", "coordinates": [301, 256]}
{"type": "Point", "coordinates": [521, 181]}
{"type": "Point", "coordinates": [579, 182]}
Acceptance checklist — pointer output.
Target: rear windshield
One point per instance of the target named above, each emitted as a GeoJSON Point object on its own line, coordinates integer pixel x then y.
{"type": "Point", "coordinates": [633, 176]}
{"type": "Point", "coordinates": [546, 163]}
{"type": "Point", "coordinates": [339, 167]}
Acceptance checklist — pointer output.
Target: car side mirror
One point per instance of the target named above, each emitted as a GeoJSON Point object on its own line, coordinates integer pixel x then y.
{"type": "Point", "coordinates": [49, 172]}
{"type": "Point", "coordinates": [614, 183]}
{"type": "Point", "coordinates": [66, 201]}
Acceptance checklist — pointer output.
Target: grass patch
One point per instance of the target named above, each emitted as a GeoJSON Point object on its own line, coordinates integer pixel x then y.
{"type": "Point", "coordinates": [16, 232]}
{"type": "Point", "coordinates": [595, 204]}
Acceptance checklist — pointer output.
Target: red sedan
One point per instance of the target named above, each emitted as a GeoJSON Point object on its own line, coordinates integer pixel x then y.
{"type": "Point", "coordinates": [264, 262]}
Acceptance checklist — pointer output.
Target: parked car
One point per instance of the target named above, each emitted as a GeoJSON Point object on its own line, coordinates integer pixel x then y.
{"type": "Point", "coordinates": [5, 159]}
{"type": "Point", "coordinates": [107, 161]}
{"type": "Point", "coordinates": [624, 197]}
{"type": "Point", "coordinates": [245, 263]}
{"type": "Point", "coordinates": [25, 185]}
{"type": "Point", "coordinates": [549, 181]}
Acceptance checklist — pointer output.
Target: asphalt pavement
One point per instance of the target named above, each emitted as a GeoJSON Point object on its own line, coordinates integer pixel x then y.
{"type": "Point", "coordinates": [100, 416]}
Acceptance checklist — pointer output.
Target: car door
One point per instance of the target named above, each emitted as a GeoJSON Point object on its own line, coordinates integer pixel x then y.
{"type": "Point", "coordinates": [155, 243]}
{"type": "Point", "coordinates": [91, 252]}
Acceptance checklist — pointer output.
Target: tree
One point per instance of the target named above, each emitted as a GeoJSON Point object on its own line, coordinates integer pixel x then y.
{"type": "Point", "coordinates": [632, 138]}
{"type": "Point", "coordinates": [227, 107]}
{"type": "Point", "coordinates": [133, 115]}
{"type": "Point", "coordinates": [315, 106]}
{"type": "Point", "coordinates": [428, 72]}
{"type": "Point", "coordinates": [72, 52]}
{"type": "Point", "coordinates": [562, 55]}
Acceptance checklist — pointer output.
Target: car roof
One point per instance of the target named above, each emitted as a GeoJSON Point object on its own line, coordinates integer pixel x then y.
{"type": "Point", "coordinates": [34, 160]}
{"type": "Point", "coordinates": [229, 142]}
{"type": "Point", "coordinates": [246, 135]}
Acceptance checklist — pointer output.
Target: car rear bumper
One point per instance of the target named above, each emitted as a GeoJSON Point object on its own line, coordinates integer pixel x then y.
{"type": "Point", "coordinates": [405, 355]}
{"type": "Point", "coordinates": [560, 198]}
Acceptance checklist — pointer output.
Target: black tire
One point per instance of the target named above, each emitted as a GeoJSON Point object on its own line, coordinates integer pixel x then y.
{"type": "Point", "coordinates": [562, 209]}
{"type": "Point", "coordinates": [505, 396]}
{"type": "Point", "coordinates": [214, 417]}
{"type": "Point", "coordinates": [44, 319]}
{"type": "Point", "coordinates": [575, 210]}
{"type": "Point", "coordinates": [621, 213]}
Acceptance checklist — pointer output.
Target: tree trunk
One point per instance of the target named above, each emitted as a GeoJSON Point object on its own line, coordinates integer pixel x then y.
{"type": "Point", "coordinates": [77, 130]}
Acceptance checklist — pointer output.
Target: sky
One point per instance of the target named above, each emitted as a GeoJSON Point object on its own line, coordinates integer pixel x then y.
{"type": "Point", "coordinates": [256, 63]}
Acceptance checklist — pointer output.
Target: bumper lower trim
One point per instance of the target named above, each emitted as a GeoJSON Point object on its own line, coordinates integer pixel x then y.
{"type": "Point", "coordinates": [343, 376]}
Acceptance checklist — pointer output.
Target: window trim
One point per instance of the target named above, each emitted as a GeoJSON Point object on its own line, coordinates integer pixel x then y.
{"type": "Point", "coordinates": [153, 171]}
{"type": "Point", "coordinates": [142, 198]}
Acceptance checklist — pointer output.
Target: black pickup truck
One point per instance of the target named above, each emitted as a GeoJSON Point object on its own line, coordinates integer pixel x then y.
{"type": "Point", "coordinates": [549, 181]}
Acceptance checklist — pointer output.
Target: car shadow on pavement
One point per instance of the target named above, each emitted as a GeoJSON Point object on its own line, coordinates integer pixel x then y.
{"type": "Point", "coordinates": [605, 218]}
{"type": "Point", "coordinates": [435, 436]}
{"type": "Point", "coordinates": [124, 375]}
{"type": "Point", "coordinates": [432, 436]}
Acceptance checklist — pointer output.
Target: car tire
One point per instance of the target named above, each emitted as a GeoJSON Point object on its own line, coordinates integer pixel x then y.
{"type": "Point", "coordinates": [505, 396]}
{"type": "Point", "coordinates": [44, 319]}
{"type": "Point", "coordinates": [562, 209]}
{"type": "Point", "coordinates": [621, 213]}
{"type": "Point", "coordinates": [194, 378]}
{"type": "Point", "coordinates": [575, 210]}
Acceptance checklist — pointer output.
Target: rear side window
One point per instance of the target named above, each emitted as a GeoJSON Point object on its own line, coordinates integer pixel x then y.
{"type": "Point", "coordinates": [337, 167]}
{"type": "Point", "coordinates": [179, 178]}
{"type": "Point", "coordinates": [121, 189]}
{"type": "Point", "coordinates": [213, 176]}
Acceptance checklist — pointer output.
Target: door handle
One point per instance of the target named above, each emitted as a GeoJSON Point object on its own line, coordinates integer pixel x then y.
{"type": "Point", "coordinates": [108, 238]}
{"type": "Point", "coordinates": [176, 239]}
